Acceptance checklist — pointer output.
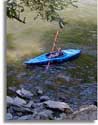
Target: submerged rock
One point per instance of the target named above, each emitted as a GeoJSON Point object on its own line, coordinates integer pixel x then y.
{"type": "Point", "coordinates": [25, 93]}
{"type": "Point", "coordinates": [58, 105]}
{"type": "Point", "coordinates": [64, 78]}
{"type": "Point", "coordinates": [21, 75]}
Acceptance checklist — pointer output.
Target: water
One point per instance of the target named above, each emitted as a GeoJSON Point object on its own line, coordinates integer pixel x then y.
{"type": "Point", "coordinates": [73, 82]}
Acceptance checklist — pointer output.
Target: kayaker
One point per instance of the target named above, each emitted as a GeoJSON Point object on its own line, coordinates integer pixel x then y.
{"type": "Point", "coordinates": [56, 54]}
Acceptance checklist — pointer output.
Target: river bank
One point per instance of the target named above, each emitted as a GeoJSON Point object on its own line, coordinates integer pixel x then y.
{"type": "Point", "coordinates": [24, 106]}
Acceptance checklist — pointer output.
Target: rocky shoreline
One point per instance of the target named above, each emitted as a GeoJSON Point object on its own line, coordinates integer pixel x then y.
{"type": "Point", "coordinates": [22, 106]}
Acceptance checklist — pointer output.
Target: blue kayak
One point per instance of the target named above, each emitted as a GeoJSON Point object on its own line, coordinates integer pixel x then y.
{"type": "Point", "coordinates": [67, 55]}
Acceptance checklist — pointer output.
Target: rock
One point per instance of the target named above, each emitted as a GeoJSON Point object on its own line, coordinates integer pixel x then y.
{"type": "Point", "coordinates": [45, 114]}
{"type": "Point", "coordinates": [26, 117]}
{"type": "Point", "coordinates": [22, 109]}
{"type": "Point", "coordinates": [18, 101]}
{"type": "Point", "coordinates": [9, 100]}
{"type": "Point", "coordinates": [38, 107]}
{"type": "Point", "coordinates": [62, 116]}
{"type": "Point", "coordinates": [39, 91]}
{"type": "Point", "coordinates": [15, 117]}
{"type": "Point", "coordinates": [58, 105]}
{"type": "Point", "coordinates": [30, 105]}
{"type": "Point", "coordinates": [86, 113]}
{"type": "Point", "coordinates": [44, 98]}
{"type": "Point", "coordinates": [9, 116]}
{"type": "Point", "coordinates": [15, 101]}
{"type": "Point", "coordinates": [10, 109]}
{"type": "Point", "coordinates": [21, 75]}
{"type": "Point", "coordinates": [25, 93]}
{"type": "Point", "coordinates": [64, 78]}
{"type": "Point", "coordinates": [48, 83]}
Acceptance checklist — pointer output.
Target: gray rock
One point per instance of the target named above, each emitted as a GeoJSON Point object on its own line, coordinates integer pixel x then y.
{"type": "Point", "coordinates": [15, 117]}
{"type": "Point", "coordinates": [9, 116]}
{"type": "Point", "coordinates": [58, 105]}
{"type": "Point", "coordinates": [86, 113]}
{"type": "Point", "coordinates": [25, 93]}
{"type": "Point", "coordinates": [18, 101]}
{"type": "Point", "coordinates": [30, 104]}
{"type": "Point", "coordinates": [44, 98]}
{"type": "Point", "coordinates": [39, 91]}
{"type": "Point", "coordinates": [22, 109]}
{"type": "Point", "coordinates": [46, 114]}
{"type": "Point", "coordinates": [23, 74]}
{"type": "Point", "coordinates": [26, 117]}
{"type": "Point", "coordinates": [64, 78]}
{"type": "Point", "coordinates": [9, 100]}
{"type": "Point", "coordinates": [62, 116]}
{"type": "Point", "coordinates": [38, 107]}
{"type": "Point", "coordinates": [10, 109]}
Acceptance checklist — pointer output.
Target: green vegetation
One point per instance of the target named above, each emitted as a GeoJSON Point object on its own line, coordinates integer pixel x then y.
{"type": "Point", "coordinates": [46, 9]}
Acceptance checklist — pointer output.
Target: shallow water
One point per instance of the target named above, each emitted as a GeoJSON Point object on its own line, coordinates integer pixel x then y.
{"type": "Point", "coordinates": [73, 82]}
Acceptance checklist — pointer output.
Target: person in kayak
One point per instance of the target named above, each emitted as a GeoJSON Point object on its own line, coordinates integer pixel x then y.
{"type": "Point", "coordinates": [56, 54]}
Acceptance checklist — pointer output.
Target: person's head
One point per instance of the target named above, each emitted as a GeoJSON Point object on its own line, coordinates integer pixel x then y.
{"type": "Point", "coordinates": [59, 49]}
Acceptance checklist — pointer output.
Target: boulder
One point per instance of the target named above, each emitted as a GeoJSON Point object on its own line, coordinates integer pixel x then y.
{"type": "Point", "coordinates": [39, 91]}
{"type": "Point", "coordinates": [22, 109]}
{"type": "Point", "coordinates": [30, 104]}
{"type": "Point", "coordinates": [18, 101]}
{"type": "Point", "coordinates": [62, 106]}
{"type": "Point", "coordinates": [26, 117]}
{"type": "Point", "coordinates": [45, 114]}
{"type": "Point", "coordinates": [24, 93]}
{"type": "Point", "coordinates": [62, 116]}
{"type": "Point", "coordinates": [9, 100]}
{"type": "Point", "coordinates": [44, 98]}
{"type": "Point", "coordinates": [86, 113]}
{"type": "Point", "coordinates": [9, 116]}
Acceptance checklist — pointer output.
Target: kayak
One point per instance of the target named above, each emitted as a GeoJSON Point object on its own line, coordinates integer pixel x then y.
{"type": "Point", "coordinates": [67, 55]}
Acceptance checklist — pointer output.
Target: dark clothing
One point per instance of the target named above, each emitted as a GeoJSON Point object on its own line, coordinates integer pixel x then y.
{"type": "Point", "coordinates": [55, 54]}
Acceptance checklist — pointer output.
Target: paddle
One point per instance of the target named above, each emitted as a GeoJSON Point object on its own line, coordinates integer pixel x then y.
{"type": "Point", "coordinates": [53, 47]}
{"type": "Point", "coordinates": [61, 24]}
